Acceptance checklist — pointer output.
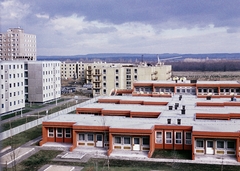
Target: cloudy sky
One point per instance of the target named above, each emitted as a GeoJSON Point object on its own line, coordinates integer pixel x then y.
{"type": "Point", "coordinates": [71, 27]}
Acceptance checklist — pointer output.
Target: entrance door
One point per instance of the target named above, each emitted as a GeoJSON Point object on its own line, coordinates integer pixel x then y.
{"type": "Point", "coordinates": [99, 142]}
{"type": "Point", "coordinates": [209, 147]}
{"type": "Point", "coordinates": [136, 144]}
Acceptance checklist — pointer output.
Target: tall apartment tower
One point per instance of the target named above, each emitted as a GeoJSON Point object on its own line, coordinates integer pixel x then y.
{"type": "Point", "coordinates": [17, 45]}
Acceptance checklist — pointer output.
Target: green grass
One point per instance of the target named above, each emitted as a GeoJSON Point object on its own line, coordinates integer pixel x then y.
{"type": "Point", "coordinates": [36, 161]}
{"type": "Point", "coordinates": [14, 114]}
{"type": "Point", "coordinates": [23, 137]}
{"type": "Point", "coordinates": [18, 122]}
{"type": "Point", "coordinates": [172, 154]}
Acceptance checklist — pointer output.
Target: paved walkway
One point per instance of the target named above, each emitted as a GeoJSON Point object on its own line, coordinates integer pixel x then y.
{"type": "Point", "coordinates": [82, 154]}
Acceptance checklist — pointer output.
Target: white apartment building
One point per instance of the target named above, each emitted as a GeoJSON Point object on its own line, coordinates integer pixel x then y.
{"type": "Point", "coordinates": [17, 45]}
{"type": "Point", "coordinates": [12, 86]}
{"type": "Point", "coordinates": [28, 81]}
{"type": "Point", "coordinates": [44, 81]}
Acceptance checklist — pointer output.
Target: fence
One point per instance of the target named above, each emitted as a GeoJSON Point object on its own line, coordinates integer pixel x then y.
{"type": "Point", "coordinates": [29, 125]}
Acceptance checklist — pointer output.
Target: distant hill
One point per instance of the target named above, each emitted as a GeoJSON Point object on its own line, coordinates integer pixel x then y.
{"type": "Point", "coordinates": [128, 57]}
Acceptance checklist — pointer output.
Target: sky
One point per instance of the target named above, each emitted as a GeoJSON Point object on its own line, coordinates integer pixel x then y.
{"type": "Point", "coordinates": [78, 27]}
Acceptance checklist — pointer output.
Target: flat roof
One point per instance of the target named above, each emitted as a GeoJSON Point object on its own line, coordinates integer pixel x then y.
{"type": "Point", "coordinates": [189, 81]}
{"type": "Point", "coordinates": [187, 119]}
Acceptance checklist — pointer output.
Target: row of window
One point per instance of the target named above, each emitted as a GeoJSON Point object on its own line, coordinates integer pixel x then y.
{"type": "Point", "coordinates": [59, 132]}
{"type": "Point", "coordinates": [14, 103]}
{"type": "Point", "coordinates": [169, 137]}
{"type": "Point", "coordinates": [127, 140]}
{"type": "Point", "coordinates": [50, 64]}
{"type": "Point", "coordinates": [13, 66]}
{"type": "Point", "coordinates": [49, 80]}
{"type": "Point", "coordinates": [50, 72]}
{"type": "Point", "coordinates": [50, 94]}
{"type": "Point", "coordinates": [218, 144]}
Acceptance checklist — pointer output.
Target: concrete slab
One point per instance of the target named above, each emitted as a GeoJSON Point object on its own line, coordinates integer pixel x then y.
{"type": "Point", "coordinates": [60, 168]}
{"type": "Point", "coordinates": [15, 155]}
{"type": "Point", "coordinates": [75, 155]}
{"type": "Point", "coordinates": [129, 154]}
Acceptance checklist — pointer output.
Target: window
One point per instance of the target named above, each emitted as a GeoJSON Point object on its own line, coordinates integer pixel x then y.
{"type": "Point", "coordinates": [128, 71]}
{"type": "Point", "coordinates": [178, 139]}
{"type": "Point", "coordinates": [188, 139]}
{"type": "Point", "coordinates": [179, 121]}
{"type": "Point", "coordinates": [230, 145]}
{"type": "Point", "coordinates": [168, 137]}
{"type": "Point", "coordinates": [104, 91]}
{"type": "Point", "coordinates": [168, 121]}
{"type": "Point", "coordinates": [104, 71]}
{"type": "Point", "coordinates": [116, 71]}
{"type": "Point", "coordinates": [135, 77]}
{"type": "Point", "coordinates": [117, 140]}
{"type": "Point", "coordinates": [117, 85]}
{"type": "Point", "coordinates": [145, 141]}
{"type": "Point", "coordinates": [199, 143]}
{"type": "Point", "coordinates": [127, 140]}
{"type": "Point", "coordinates": [68, 133]}
{"type": "Point", "coordinates": [59, 132]}
{"type": "Point", "coordinates": [81, 137]}
{"type": "Point", "coordinates": [90, 137]}
{"type": "Point", "coordinates": [135, 71]}
{"type": "Point", "coordinates": [50, 132]}
{"type": "Point", "coordinates": [220, 144]}
{"type": "Point", "coordinates": [159, 137]}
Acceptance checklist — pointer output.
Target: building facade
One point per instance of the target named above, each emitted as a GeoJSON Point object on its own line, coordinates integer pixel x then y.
{"type": "Point", "coordinates": [107, 77]}
{"type": "Point", "coordinates": [73, 70]}
{"type": "Point", "coordinates": [28, 81]}
{"type": "Point", "coordinates": [12, 86]}
{"type": "Point", "coordinates": [201, 117]}
{"type": "Point", "coordinates": [43, 81]}
{"type": "Point", "coordinates": [17, 45]}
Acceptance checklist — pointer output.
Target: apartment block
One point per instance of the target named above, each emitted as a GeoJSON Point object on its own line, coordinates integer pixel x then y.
{"type": "Point", "coordinates": [28, 81]}
{"type": "Point", "coordinates": [17, 45]}
{"type": "Point", "coordinates": [73, 70]}
{"type": "Point", "coordinates": [43, 81]}
{"type": "Point", "coordinates": [107, 77]}
{"type": "Point", "coordinates": [12, 86]}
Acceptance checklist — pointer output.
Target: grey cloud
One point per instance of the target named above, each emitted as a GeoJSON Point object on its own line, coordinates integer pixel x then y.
{"type": "Point", "coordinates": [186, 13]}
{"type": "Point", "coordinates": [96, 30]}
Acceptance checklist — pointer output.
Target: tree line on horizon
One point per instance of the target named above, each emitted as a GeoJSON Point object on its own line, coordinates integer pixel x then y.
{"type": "Point", "coordinates": [229, 65]}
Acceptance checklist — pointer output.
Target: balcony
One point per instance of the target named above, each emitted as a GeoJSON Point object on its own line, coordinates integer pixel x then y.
{"type": "Point", "coordinates": [97, 74]}
{"type": "Point", "coordinates": [97, 80]}
{"type": "Point", "coordinates": [97, 87]}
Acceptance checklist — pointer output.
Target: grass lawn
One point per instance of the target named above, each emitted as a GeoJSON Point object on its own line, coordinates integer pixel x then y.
{"type": "Point", "coordinates": [172, 154]}
{"type": "Point", "coordinates": [18, 122]}
{"type": "Point", "coordinates": [36, 161]}
{"type": "Point", "coordinates": [14, 114]}
{"type": "Point", "coordinates": [23, 137]}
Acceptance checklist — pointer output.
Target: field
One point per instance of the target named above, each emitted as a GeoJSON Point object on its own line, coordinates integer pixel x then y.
{"type": "Point", "coordinates": [209, 76]}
